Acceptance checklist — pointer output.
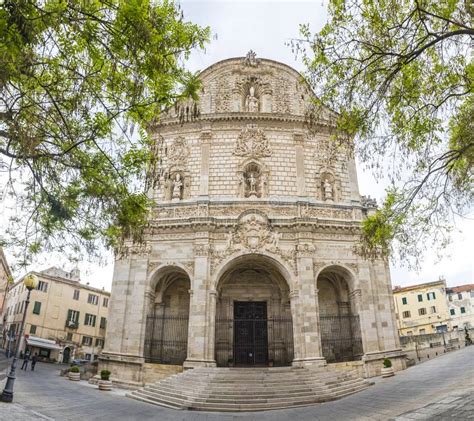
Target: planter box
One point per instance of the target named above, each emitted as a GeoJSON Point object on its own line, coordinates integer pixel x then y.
{"type": "Point", "coordinates": [388, 372]}
{"type": "Point", "coordinates": [74, 376]}
{"type": "Point", "coordinates": [105, 385]}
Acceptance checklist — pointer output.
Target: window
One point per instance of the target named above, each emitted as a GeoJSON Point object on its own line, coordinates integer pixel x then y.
{"type": "Point", "coordinates": [99, 342]}
{"type": "Point", "coordinates": [460, 296]}
{"type": "Point", "coordinates": [433, 309]}
{"type": "Point", "coordinates": [89, 320]}
{"type": "Point", "coordinates": [463, 310]}
{"type": "Point", "coordinates": [103, 322]}
{"type": "Point", "coordinates": [431, 296]}
{"type": "Point", "coordinates": [404, 300]}
{"type": "Point", "coordinates": [452, 311]}
{"type": "Point", "coordinates": [42, 286]}
{"type": "Point", "coordinates": [422, 311]}
{"type": "Point", "coordinates": [472, 294]}
{"type": "Point", "coordinates": [37, 307]}
{"type": "Point", "coordinates": [105, 302]}
{"type": "Point", "coordinates": [32, 329]}
{"type": "Point", "coordinates": [409, 333]}
{"type": "Point", "coordinates": [93, 299]}
{"type": "Point", "coordinates": [88, 357]}
{"type": "Point", "coordinates": [69, 336]}
{"type": "Point", "coordinates": [450, 297]}
{"type": "Point", "coordinates": [406, 314]}
{"type": "Point", "coordinates": [86, 340]}
{"type": "Point", "coordinates": [420, 298]}
{"type": "Point", "coordinates": [75, 296]}
{"type": "Point", "coordinates": [72, 318]}
{"type": "Point", "coordinates": [422, 331]}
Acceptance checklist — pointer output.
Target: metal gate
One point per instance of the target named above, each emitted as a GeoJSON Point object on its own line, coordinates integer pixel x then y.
{"type": "Point", "coordinates": [253, 339]}
{"type": "Point", "coordinates": [166, 339]}
{"type": "Point", "coordinates": [340, 338]}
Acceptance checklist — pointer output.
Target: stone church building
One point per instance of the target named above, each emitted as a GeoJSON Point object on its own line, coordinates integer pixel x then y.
{"type": "Point", "coordinates": [249, 256]}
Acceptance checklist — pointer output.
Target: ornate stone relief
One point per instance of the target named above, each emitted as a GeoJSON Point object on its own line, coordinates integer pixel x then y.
{"type": "Point", "coordinates": [253, 181]}
{"type": "Point", "coordinates": [253, 233]}
{"type": "Point", "coordinates": [252, 143]}
{"type": "Point", "coordinates": [178, 153]}
{"type": "Point", "coordinates": [134, 250]}
{"type": "Point", "coordinates": [251, 59]}
{"type": "Point", "coordinates": [189, 264]}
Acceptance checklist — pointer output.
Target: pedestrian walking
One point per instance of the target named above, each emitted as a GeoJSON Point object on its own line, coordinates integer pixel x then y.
{"type": "Point", "coordinates": [34, 360]}
{"type": "Point", "coordinates": [26, 359]}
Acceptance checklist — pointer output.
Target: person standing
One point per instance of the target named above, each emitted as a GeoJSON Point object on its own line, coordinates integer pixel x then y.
{"type": "Point", "coordinates": [26, 359]}
{"type": "Point", "coordinates": [34, 360]}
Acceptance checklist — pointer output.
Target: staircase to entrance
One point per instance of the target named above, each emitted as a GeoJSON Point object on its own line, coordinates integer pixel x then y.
{"type": "Point", "coordinates": [251, 389]}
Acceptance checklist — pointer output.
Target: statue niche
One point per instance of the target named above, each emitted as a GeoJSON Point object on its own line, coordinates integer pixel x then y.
{"type": "Point", "coordinates": [175, 186]}
{"type": "Point", "coordinates": [253, 182]}
{"type": "Point", "coordinates": [327, 187]}
{"type": "Point", "coordinates": [251, 102]}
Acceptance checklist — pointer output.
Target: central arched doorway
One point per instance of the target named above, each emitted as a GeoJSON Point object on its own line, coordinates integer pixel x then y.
{"type": "Point", "coordinates": [166, 336]}
{"type": "Point", "coordinates": [253, 318]}
{"type": "Point", "coordinates": [339, 322]}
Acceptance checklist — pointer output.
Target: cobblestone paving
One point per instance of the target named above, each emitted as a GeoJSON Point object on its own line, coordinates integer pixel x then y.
{"type": "Point", "coordinates": [440, 389]}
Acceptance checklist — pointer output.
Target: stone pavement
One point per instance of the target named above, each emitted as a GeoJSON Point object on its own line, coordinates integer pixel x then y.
{"type": "Point", "coordinates": [439, 389]}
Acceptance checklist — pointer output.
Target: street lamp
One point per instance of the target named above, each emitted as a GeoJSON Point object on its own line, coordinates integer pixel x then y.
{"type": "Point", "coordinates": [30, 282]}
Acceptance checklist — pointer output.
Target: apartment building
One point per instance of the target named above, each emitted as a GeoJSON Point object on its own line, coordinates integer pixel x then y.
{"type": "Point", "coordinates": [65, 318]}
{"type": "Point", "coordinates": [5, 277]}
{"type": "Point", "coordinates": [422, 309]}
{"type": "Point", "coordinates": [461, 306]}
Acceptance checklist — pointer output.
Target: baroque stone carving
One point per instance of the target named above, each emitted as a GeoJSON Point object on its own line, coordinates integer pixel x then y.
{"type": "Point", "coordinates": [251, 59]}
{"type": "Point", "coordinates": [253, 233]}
{"type": "Point", "coordinates": [178, 153]}
{"type": "Point", "coordinates": [368, 202]}
{"type": "Point", "coordinates": [252, 143]}
{"type": "Point", "coordinates": [251, 102]}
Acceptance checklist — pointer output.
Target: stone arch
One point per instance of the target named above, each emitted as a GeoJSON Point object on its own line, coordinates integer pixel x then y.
{"type": "Point", "coordinates": [253, 312]}
{"type": "Point", "coordinates": [339, 322]}
{"type": "Point", "coordinates": [166, 334]}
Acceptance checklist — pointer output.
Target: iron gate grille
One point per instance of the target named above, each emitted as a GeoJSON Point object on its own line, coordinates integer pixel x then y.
{"type": "Point", "coordinates": [166, 339]}
{"type": "Point", "coordinates": [271, 339]}
{"type": "Point", "coordinates": [340, 338]}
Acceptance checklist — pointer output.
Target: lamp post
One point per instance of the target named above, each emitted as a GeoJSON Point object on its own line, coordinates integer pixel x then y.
{"type": "Point", "coordinates": [30, 282]}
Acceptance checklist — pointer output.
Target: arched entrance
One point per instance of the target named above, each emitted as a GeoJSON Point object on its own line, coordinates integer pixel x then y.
{"type": "Point", "coordinates": [253, 317]}
{"type": "Point", "coordinates": [339, 322]}
{"type": "Point", "coordinates": [66, 355]}
{"type": "Point", "coordinates": [166, 336]}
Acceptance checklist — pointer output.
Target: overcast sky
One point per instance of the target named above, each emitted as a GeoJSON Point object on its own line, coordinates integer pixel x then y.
{"type": "Point", "coordinates": [265, 27]}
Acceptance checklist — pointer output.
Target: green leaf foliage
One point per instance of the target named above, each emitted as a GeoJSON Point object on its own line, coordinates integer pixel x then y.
{"type": "Point", "coordinates": [80, 83]}
{"type": "Point", "coordinates": [399, 74]}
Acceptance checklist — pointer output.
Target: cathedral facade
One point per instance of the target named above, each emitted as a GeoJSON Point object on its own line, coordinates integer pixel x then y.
{"type": "Point", "coordinates": [249, 256]}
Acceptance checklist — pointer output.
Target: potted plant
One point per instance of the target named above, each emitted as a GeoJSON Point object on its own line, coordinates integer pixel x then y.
{"type": "Point", "coordinates": [74, 373]}
{"type": "Point", "coordinates": [387, 370]}
{"type": "Point", "coordinates": [104, 382]}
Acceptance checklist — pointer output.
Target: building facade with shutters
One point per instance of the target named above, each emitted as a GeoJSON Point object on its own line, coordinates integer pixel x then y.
{"type": "Point", "coordinates": [248, 258]}
{"type": "Point", "coordinates": [65, 319]}
{"type": "Point", "coordinates": [461, 306]}
{"type": "Point", "coordinates": [422, 309]}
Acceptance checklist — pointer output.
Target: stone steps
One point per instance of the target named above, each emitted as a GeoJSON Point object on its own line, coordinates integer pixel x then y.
{"type": "Point", "coordinates": [256, 389]}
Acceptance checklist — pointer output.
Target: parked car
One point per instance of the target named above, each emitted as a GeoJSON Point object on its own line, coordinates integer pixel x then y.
{"type": "Point", "coordinates": [79, 361]}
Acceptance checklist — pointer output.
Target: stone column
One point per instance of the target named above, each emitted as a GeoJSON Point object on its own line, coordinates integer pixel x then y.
{"type": "Point", "coordinates": [205, 153]}
{"type": "Point", "coordinates": [211, 324]}
{"type": "Point", "coordinates": [198, 329]}
{"type": "Point", "coordinates": [300, 176]}
{"type": "Point", "coordinates": [306, 325]}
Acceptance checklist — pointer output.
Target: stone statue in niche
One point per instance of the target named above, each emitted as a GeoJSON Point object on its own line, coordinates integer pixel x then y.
{"type": "Point", "coordinates": [251, 103]}
{"type": "Point", "coordinates": [328, 191]}
{"type": "Point", "coordinates": [252, 181]}
{"type": "Point", "coordinates": [177, 187]}
{"type": "Point", "coordinates": [167, 187]}
{"type": "Point", "coordinates": [241, 188]}
{"type": "Point", "coordinates": [264, 183]}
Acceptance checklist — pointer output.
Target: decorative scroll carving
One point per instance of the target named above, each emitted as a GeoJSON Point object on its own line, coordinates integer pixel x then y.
{"type": "Point", "coordinates": [253, 233]}
{"type": "Point", "coordinates": [134, 250]}
{"type": "Point", "coordinates": [252, 143]}
{"type": "Point", "coordinates": [305, 250]}
{"type": "Point", "coordinates": [178, 153]}
{"type": "Point", "coordinates": [202, 250]}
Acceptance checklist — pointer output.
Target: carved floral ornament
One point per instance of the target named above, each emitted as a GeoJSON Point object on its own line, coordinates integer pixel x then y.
{"type": "Point", "coordinates": [253, 234]}
{"type": "Point", "coordinates": [252, 143]}
{"type": "Point", "coordinates": [178, 152]}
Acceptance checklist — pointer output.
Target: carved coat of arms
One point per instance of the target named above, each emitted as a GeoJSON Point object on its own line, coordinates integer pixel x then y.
{"type": "Point", "coordinates": [252, 143]}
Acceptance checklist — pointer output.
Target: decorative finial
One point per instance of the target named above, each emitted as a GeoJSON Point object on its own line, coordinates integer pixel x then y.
{"type": "Point", "coordinates": [251, 59]}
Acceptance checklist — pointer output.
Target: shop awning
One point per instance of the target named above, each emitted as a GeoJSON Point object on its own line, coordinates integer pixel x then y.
{"type": "Point", "coordinates": [42, 343]}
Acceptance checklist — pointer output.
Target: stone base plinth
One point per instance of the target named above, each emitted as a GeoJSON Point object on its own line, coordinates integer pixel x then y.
{"type": "Point", "coordinates": [309, 362]}
{"type": "Point", "coordinates": [373, 361]}
{"type": "Point", "coordinates": [191, 363]}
